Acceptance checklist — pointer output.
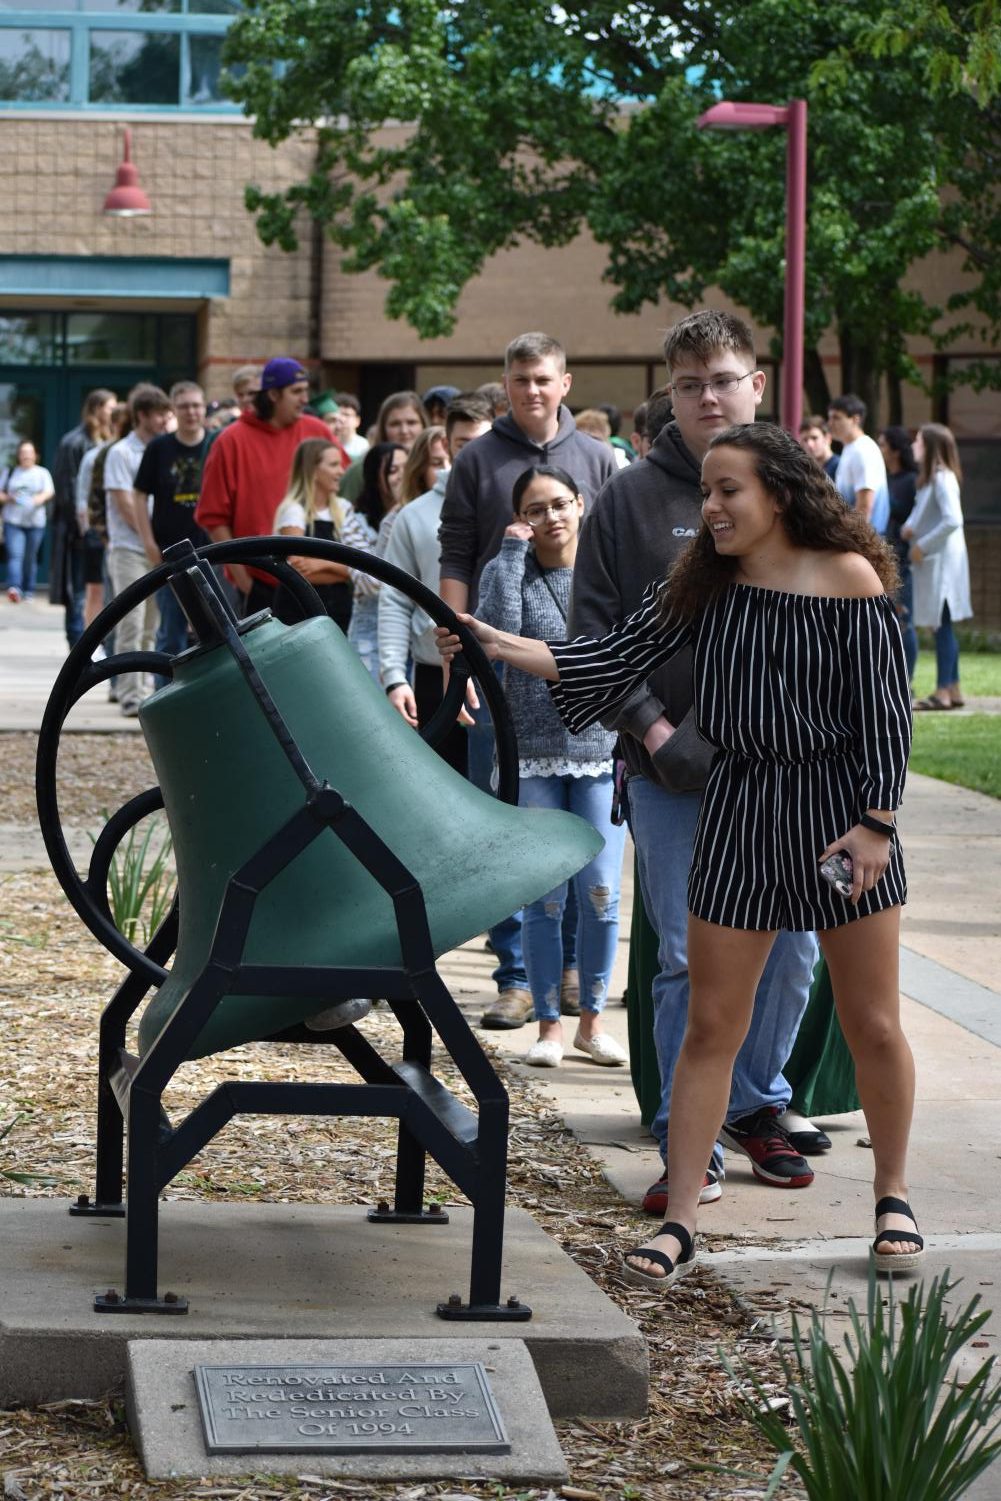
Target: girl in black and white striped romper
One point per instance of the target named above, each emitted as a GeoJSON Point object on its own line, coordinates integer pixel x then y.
{"type": "Point", "coordinates": [801, 685]}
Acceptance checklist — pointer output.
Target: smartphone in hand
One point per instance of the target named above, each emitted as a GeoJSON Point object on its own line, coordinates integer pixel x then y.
{"type": "Point", "coordinates": [837, 871]}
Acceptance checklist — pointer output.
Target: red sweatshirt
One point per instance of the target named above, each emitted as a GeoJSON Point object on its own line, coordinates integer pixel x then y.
{"type": "Point", "coordinates": [247, 472]}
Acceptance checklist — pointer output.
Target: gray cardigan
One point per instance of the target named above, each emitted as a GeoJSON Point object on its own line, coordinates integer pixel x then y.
{"type": "Point", "coordinates": [405, 630]}
{"type": "Point", "coordinates": [515, 596]}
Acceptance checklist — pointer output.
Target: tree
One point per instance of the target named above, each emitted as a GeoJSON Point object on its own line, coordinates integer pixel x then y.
{"type": "Point", "coordinates": [526, 121]}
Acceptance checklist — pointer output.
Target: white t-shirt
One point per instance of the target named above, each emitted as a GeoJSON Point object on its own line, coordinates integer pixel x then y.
{"type": "Point", "coordinates": [120, 470]}
{"type": "Point", "coordinates": [354, 532]}
{"type": "Point", "coordinates": [861, 467]}
{"type": "Point", "coordinates": [23, 485]}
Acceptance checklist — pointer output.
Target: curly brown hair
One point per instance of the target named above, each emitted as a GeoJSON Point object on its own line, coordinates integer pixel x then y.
{"type": "Point", "coordinates": [813, 513]}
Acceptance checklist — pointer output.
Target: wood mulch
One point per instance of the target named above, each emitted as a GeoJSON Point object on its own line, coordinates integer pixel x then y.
{"type": "Point", "coordinates": [54, 980]}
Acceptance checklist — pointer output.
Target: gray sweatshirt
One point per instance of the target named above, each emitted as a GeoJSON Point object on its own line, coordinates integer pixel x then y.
{"type": "Point", "coordinates": [644, 517]}
{"type": "Point", "coordinates": [478, 498]}
{"type": "Point", "coordinates": [517, 595]}
{"type": "Point", "coordinates": [405, 630]}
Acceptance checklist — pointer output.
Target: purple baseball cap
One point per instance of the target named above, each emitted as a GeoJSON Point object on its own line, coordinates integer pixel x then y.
{"type": "Point", "coordinates": [281, 372]}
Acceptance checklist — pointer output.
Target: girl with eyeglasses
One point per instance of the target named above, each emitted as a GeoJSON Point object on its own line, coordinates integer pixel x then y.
{"type": "Point", "coordinates": [526, 589]}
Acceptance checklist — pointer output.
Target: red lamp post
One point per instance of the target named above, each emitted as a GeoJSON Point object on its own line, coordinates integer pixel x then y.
{"type": "Point", "coordinates": [741, 116]}
{"type": "Point", "coordinates": [127, 199]}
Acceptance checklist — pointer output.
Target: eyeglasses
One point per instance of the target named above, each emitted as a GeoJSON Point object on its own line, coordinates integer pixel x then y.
{"type": "Point", "coordinates": [719, 385]}
{"type": "Point", "coordinates": [536, 515]}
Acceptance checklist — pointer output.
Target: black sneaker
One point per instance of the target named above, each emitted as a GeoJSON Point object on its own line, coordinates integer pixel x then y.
{"type": "Point", "coordinates": [774, 1159]}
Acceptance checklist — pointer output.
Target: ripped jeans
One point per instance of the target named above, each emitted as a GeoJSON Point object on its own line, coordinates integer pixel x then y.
{"type": "Point", "coordinates": [597, 887]}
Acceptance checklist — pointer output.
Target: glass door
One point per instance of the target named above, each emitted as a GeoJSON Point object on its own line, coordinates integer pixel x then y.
{"type": "Point", "coordinates": [28, 409]}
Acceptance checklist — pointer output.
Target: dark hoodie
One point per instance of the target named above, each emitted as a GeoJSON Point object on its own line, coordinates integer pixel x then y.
{"type": "Point", "coordinates": [477, 504]}
{"type": "Point", "coordinates": [643, 518]}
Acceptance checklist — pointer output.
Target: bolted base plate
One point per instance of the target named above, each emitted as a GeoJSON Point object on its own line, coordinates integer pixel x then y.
{"type": "Point", "coordinates": [383, 1215]}
{"type": "Point", "coordinates": [83, 1207]}
{"type": "Point", "coordinates": [488, 1313]}
{"type": "Point", "coordinates": [110, 1302]}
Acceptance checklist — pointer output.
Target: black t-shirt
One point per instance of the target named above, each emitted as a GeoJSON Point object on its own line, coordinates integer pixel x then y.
{"type": "Point", "coordinates": [171, 471]}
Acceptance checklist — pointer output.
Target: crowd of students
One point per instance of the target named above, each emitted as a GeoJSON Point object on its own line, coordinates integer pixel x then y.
{"type": "Point", "coordinates": [724, 715]}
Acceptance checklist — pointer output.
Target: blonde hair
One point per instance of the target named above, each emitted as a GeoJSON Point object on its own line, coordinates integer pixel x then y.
{"type": "Point", "coordinates": [414, 481]}
{"type": "Point", "coordinates": [590, 420]}
{"type": "Point", "coordinates": [301, 485]}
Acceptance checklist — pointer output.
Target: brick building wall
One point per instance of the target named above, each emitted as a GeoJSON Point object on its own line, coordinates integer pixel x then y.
{"type": "Point", "coordinates": [55, 172]}
{"type": "Point", "coordinates": [984, 546]}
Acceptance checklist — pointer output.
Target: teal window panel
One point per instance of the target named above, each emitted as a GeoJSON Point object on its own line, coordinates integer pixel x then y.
{"type": "Point", "coordinates": [112, 276]}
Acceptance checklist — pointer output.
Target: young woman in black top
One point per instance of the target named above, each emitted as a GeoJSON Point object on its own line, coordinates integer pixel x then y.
{"type": "Point", "coordinates": [801, 685]}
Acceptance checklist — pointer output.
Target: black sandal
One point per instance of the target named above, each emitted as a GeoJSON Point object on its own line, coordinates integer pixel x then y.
{"type": "Point", "coordinates": [672, 1269]}
{"type": "Point", "coordinates": [898, 1261]}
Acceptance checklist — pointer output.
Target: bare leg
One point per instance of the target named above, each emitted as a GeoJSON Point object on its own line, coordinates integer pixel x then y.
{"type": "Point", "coordinates": [724, 967]}
{"type": "Point", "coordinates": [863, 958]}
{"type": "Point", "coordinates": [93, 602]}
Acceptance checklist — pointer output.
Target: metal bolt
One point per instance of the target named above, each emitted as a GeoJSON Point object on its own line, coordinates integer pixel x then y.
{"type": "Point", "coordinates": [82, 1200]}
{"type": "Point", "coordinates": [434, 1209]}
{"type": "Point", "coordinates": [383, 1206]}
{"type": "Point", "coordinates": [170, 1297]}
{"type": "Point", "coordinates": [513, 1302]}
{"type": "Point", "coordinates": [455, 1300]}
{"type": "Point", "coordinates": [111, 1296]}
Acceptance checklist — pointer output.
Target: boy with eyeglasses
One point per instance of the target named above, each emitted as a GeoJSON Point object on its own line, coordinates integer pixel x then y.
{"type": "Point", "coordinates": [639, 524]}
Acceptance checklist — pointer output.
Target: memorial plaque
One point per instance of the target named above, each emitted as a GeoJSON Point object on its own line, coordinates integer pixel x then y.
{"type": "Point", "coordinates": [349, 1409]}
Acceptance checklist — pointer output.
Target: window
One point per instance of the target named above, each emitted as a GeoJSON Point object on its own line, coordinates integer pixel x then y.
{"type": "Point", "coordinates": [35, 65]}
{"type": "Point", "coordinates": [30, 339]}
{"type": "Point", "coordinates": [105, 54]}
{"type": "Point", "coordinates": [134, 67]}
{"type": "Point", "coordinates": [111, 338]}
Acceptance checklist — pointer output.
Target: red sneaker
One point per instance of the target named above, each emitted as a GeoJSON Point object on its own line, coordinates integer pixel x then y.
{"type": "Point", "coordinates": [655, 1198]}
{"type": "Point", "coordinates": [773, 1157]}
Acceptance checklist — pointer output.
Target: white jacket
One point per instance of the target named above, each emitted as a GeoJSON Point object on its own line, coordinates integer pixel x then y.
{"type": "Point", "coordinates": [943, 576]}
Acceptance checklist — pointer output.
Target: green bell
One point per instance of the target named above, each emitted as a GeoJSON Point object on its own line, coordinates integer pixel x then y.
{"type": "Point", "coordinates": [228, 787]}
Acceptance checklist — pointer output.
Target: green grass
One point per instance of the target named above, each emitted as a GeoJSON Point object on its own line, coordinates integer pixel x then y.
{"type": "Point", "coordinates": [880, 1415]}
{"type": "Point", "coordinates": [980, 674]}
{"type": "Point", "coordinates": [964, 749]}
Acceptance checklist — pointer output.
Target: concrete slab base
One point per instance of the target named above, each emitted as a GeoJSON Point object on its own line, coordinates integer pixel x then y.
{"type": "Point", "coordinates": [296, 1271]}
{"type": "Point", "coordinates": [166, 1426]}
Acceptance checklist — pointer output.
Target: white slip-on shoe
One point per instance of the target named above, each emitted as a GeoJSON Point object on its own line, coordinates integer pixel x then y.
{"type": "Point", "coordinates": [544, 1054]}
{"type": "Point", "coordinates": [344, 1014]}
{"type": "Point", "coordinates": [601, 1049]}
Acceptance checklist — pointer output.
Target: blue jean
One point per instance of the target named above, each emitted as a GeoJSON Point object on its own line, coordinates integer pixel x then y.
{"type": "Point", "coordinates": [172, 632]}
{"type": "Point", "coordinates": [363, 632]}
{"type": "Point", "coordinates": [24, 543]}
{"type": "Point", "coordinates": [505, 937]}
{"type": "Point", "coordinates": [946, 651]}
{"type": "Point", "coordinates": [663, 824]}
{"type": "Point", "coordinates": [597, 888]}
{"type": "Point", "coordinates": [905, 614]}
{"type": "Point", "coordinates": [76, 590]}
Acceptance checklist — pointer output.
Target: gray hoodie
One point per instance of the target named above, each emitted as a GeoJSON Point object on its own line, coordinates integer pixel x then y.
{"type": "Point", "coordinates": [478, 498]}
{"type": "Point", "coordinates": [643, 518]}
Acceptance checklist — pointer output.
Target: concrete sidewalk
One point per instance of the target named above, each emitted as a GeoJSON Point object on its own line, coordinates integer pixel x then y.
{"type": "Point", "coordinates": [32, 650]}
{"type": "Point", "coordinates": [780, 1245]}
